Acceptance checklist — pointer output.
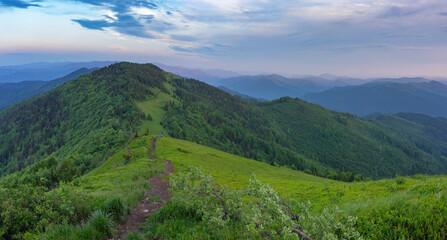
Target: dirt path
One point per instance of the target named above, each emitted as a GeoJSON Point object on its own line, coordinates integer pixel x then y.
{"type": "Point", "coordinates": [147, 206]}
{"type": "Point", "coordinates": [151, 153]}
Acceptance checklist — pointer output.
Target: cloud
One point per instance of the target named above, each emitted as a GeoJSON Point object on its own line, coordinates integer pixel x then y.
{"type": "Point", "coordinates": [207, 50]}
{"type": "Point", "coordinates": [122, 23]}
{"type": "Point", "coordinates": [122, 19]}
{"type": "Point", "coordinates": [121, 6]}
{"type": "Point", "coordinates": [270, 26]}
{"type": "Point", "coordinates": [92, 24]}
{"type": "Point", "coordinates": [400, 12]}
{"type": "Point", "coordinates": [18, 3]}
{"type": "Point", "coordinates": [184, 38]}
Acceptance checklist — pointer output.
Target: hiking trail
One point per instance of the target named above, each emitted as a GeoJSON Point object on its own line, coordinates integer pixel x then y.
{"type": "Point", "coordinates": [146, 207]}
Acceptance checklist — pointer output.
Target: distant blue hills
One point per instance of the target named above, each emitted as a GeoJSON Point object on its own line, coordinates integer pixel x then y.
{"type": "Point", "coordinates": [12, 93]}
{"type": "Point", "coordinates": [362, 97]}
{"type": "Point", "coordinates": [44, 71]}
{"type": "Point", "coordinates": [385, 97]}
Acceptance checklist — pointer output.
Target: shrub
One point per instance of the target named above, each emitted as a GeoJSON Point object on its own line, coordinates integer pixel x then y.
{"type": "Point", "coordinates": [132, 236]}
{"type": "Point", "coordinates": [400, 180]}
{"type": "Point", "coordinates": [115, 208]}
{"type": "Point", "coordinates": [129, 155]}
{"type": "Point", "coordinates": [307, 171]}
{"type": "Point", "coordinates": [258, 209]}
{"type": "Point", "coordinates": [59, 231]}
{"type": "Point", "coordinates": [102, 223]}
{"type": "Point", "coordinates": [65, 170]}
{"type": "Point", "coordinates": [66, 231]}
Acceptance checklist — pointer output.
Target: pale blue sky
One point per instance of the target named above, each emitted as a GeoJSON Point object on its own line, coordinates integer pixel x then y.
{"type": "Point", "coordinates": [365, 38]}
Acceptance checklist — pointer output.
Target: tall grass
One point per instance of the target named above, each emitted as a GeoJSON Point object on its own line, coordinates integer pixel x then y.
{"type": "Point", "coordinates": [99, 226]}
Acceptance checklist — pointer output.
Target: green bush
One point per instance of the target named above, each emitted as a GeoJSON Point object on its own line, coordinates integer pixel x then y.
{"type": "Point", "coordinates": [115, 208]}
{"type": "Point", "coordinates": [202, 209]}
{"type": "Point", "coordinates": [149, 117]}
{"type": "Point", "coordinates": [133, 236]}
{"type": "Point", "coordinates": [60, 231]}
{"type": "Point", "coordinates": [66, 231]}
{"type": "Point", "coordinates": [102, 223]}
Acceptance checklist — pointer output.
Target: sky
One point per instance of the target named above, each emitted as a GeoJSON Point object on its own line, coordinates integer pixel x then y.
{"type": "Point", "coordinates": [358, 38]}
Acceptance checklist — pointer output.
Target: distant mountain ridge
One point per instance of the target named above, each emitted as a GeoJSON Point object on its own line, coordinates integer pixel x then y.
{"type": "Point", "coordinates": [385, 97]}
{"type": "Point", "coordinates": [276, 86]}
{"type": "Point", "coordinates": [44, 71]}
{"type": "Point", "coordinates": [234, 93]}
{"type": "Point", "coordinates": [11, 93]}
{"type": "Point", "coordinates": [401, 80]}
{"type": "Point", "coordinates": [93, 115]}
{"type": "Point", "coordinates": [210, 76]}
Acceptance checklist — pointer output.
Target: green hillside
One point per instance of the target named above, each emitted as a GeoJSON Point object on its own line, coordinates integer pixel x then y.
{"type": "Point", "coordinates": [86, 119]}
{"type": "Point", "coordinates": [29, 208]}
{"type": "Point", "coordinates": [373, 149]}
{"type": "Point", "coordinates": [410, 207]}
{"type": "Point", "coordinates": [405, 207]}
{"type": "Point", "coordinates": [89, 118]}
{"type": "Point", "coordinates": [290, 183]}
{"type": "Point", "coordinates": [295, 133]}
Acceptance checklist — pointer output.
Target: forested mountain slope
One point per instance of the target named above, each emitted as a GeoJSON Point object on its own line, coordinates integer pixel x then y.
{"type": "Point", "coordinates": [85, 118]}
{"type": "Point", "coordinates": [88, 118]}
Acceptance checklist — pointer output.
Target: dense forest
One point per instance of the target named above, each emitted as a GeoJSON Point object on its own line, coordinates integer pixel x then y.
{"type": "Point", "coordinates": [84, 119]}
{"type": "Point", "coordinates": [298, 134]}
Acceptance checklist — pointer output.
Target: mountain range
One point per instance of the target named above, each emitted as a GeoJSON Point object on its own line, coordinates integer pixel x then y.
{"type": "Point", "coordinates": [101, 105]}
{"type": "Point", "coordinates": [44, 71]}
{"type": "Point", "coordinates": [11, 93]}
{"type": "Point", "coordinates": [426, 97]}
{"type": "Point", "coordinates": [382, 95]}
{"type": "Point", "coordinates": [210, 76]}
{"type": "Point", "coordinates": [276, 86]}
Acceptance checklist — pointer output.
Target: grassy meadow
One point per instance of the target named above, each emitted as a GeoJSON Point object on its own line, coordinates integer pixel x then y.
{"type": "Point", "coordinates": [399, 208]}
{"type": "Point", "coordinates": [124, 174]}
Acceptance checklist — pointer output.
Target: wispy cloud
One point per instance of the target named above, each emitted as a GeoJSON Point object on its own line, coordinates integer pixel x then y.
{"type": "Point", "coordinates": [204, 50]}
{"type": "Point", "coordinates": [121, 17]}
{"type": "Point", "coordinates": [93, 24]}
{"type": "Point", "coordinates": [400, 12]}
{"type": "Point", "coordinates": [18, 3]}
{"type": "Point", "coordinates": [294, 30]}
{"type": "Point", "coordinates": [196, 26]}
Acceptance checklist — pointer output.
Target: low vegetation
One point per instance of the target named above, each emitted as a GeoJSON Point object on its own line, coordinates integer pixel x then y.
{"type": "Point", "coordinates": [256, 212]}
{"type": "Point", "coordinates": [403, 207]}
{"type": "Point", "coordinates": [89, 205]}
